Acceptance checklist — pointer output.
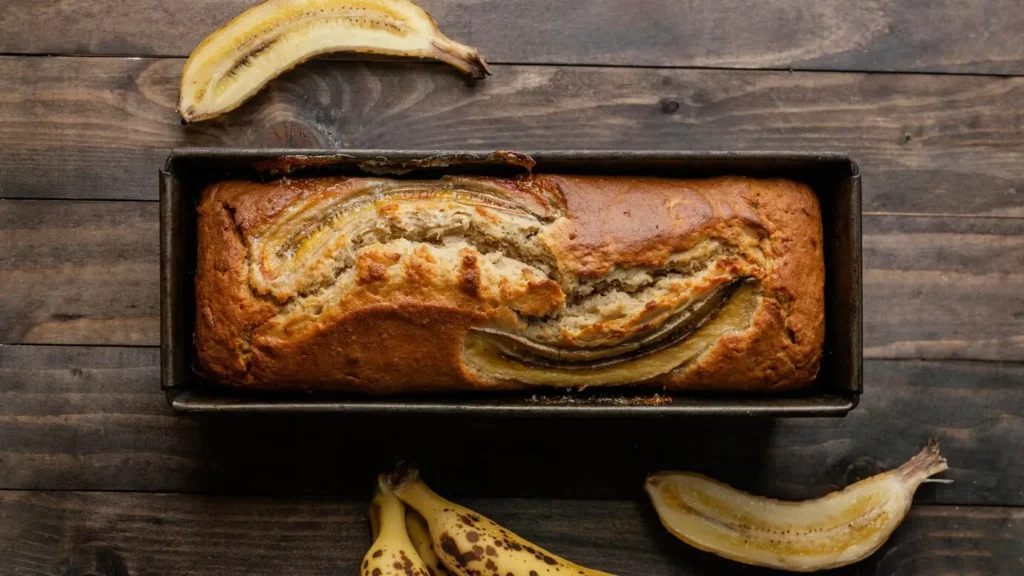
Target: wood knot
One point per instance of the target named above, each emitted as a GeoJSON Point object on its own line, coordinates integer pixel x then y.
{"type": "Point", "coordinates": [859, 468]}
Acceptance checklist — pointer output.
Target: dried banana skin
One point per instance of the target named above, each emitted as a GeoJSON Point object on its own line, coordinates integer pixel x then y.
{"type": "Point", "coordinates": [839, 529]}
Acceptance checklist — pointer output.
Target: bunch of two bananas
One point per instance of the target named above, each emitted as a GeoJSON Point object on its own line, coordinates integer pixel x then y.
{"type": "Point", "coordinates": [438, 537]}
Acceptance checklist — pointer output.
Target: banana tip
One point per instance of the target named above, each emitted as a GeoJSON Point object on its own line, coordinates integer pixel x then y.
{"type": "Point", "coordinates": [480, 67]}
{"type": "Point", "coordinates": [402, 474]}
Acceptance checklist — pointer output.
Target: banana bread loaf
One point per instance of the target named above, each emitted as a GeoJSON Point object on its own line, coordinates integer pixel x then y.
{"type": "Point", "coordinates": [384, 286]}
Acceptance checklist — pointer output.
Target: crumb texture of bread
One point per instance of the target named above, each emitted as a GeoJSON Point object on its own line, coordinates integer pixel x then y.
{"type": "Point", "coordinates": [382, 286]}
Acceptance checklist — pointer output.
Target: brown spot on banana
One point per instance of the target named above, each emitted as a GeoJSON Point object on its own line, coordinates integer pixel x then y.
{"type": "Point", "coordinates": [459, 533]}
{"type": "Point", "coordinates": [392, 553]}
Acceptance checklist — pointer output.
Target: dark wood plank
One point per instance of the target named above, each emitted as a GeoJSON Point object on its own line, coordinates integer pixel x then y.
{"type": "Point", "coordinates": [111, 534]}
{"type": "Point", "coordinates": [101, 127]}
{"type": "Point", "coordinates": [943, 288]}
{"type": "Point", "coordinates": [80, 272]}
{"type": "Point", "coordinates": [980, 37]}
{"type": "Point", "coordinates": [81, 418]}
{"type": "Point", "coordinates": [935, 287]}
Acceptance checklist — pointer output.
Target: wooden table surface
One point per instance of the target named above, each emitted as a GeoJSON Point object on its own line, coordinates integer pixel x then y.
{"type": "Point", "coordinates": [97, 476]}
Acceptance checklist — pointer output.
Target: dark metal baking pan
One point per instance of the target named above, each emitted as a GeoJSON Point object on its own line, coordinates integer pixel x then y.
{"type": "Point", "coordinates": [833, 176]}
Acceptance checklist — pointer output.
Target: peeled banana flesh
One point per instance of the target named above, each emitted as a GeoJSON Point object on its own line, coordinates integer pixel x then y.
{"type": "Point", "coordinates": [839, 529]}
{"type": "Point", "coordinates": [392, 553]}
{"type": "Point", "coordinates": [239, 59]}
{"type": "Point", "coordinates": [470, 544]}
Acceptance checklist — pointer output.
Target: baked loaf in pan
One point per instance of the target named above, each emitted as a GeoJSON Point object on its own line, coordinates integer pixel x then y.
{"type": "Point", "coordinates": [384, 286]}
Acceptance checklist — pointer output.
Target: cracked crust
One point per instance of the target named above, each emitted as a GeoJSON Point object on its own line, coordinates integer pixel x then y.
{"type": "Point", "coordinates": [567, 261]}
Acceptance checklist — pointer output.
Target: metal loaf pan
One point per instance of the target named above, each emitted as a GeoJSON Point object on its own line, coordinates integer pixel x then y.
{"type": "Point", "coordinates": [834, 177]}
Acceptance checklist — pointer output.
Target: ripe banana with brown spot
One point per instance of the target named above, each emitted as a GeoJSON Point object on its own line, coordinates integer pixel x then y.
{"type": "Point", "coordinates": [239, 59]}
{"type": "Point", "coordinates": [419, 533]}
{"type": "Point", "coordinates": [839, 529]}
{"type": "Point", "coordinates": [471, 545]}
{"type": "Point", "coordinates": [392, 553]}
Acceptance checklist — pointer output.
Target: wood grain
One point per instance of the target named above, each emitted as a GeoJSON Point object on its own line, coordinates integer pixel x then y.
{"type": "Point", "coordinates": [80, 272]}
{"type": "Point", "coordinates": [934, 287]}
{"type": "Point", "coordinates": [982, 36]}
{"type": "Point", "coordinates": [943, 288]}
{"type": "Point", "coordinates": [100, 127]}
{"type": "Point", "coordinates": [109, 534]}
{"type": "Point", "coordinates": [944, 294]}
{"type": "Point", "coordinates": [84, 418]}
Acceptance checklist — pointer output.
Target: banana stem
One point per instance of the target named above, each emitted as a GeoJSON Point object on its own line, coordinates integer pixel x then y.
{"type": "Point", "coordinates": [926, 463]}
{"type": "Point", "coordinates": [462, 57]}
{"type": "Point", "coordinates": [421, 498]}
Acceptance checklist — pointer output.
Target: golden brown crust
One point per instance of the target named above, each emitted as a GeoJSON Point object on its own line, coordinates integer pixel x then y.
{"type": "Point", "coordinates": [782, 348]}
{"type": "Point", "coordinates": [391, 315]}
{"type": "Point", "coordinates": [641, 221]}
{"type": "Point", "coordinates": [226, 309]}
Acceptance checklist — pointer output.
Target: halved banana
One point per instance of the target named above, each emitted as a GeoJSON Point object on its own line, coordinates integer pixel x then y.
{"type": "Point", "coordinates": [839, 529]}
{"type": "Point", "coordinates": [239, 59]}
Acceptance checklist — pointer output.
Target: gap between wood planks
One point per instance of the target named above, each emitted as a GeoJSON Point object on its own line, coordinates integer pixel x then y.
{"type": "Point", "coordinates": [524, 64]}
{"type": "Point", "coordinates": [940, 215]}
{"type": "Point", "coordinates": [328, 497]}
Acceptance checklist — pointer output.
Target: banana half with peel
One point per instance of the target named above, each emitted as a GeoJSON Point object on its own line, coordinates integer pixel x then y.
{"type": "Point", "coordinates": [471, 545]}
{"type": "Point", "coordinates": [839, 529]}
{"type": "Point", "coordinates": [239, 59]}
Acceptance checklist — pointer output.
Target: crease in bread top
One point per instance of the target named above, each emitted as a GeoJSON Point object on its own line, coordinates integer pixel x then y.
{"type": "Point", "coordinates": [543, 280]}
